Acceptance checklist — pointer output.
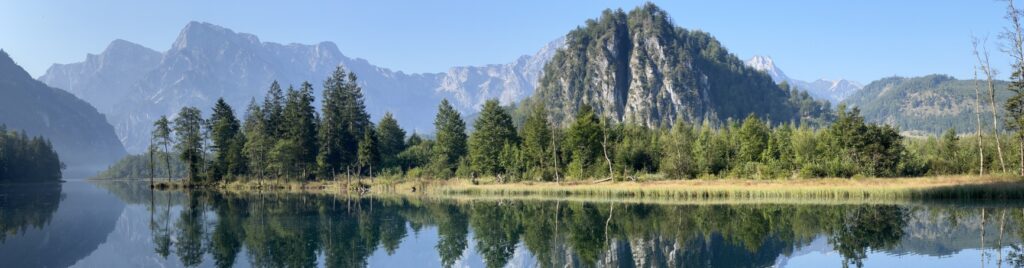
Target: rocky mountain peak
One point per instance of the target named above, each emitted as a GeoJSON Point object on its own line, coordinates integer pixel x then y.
{"type": "Point", "coordinates": [767, 64]}
{"type": "Point", "coordinates": [204, 34]}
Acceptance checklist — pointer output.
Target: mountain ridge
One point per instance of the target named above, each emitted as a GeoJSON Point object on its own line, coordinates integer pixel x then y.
{"type": "Point", "coordinates": [833, 91]}
{"type": "Point", "coordinates": [83, 139]}
{"type": "Point", "coordinates": [207, 61]}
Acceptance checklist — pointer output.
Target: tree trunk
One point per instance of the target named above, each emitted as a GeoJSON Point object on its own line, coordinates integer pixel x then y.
{"type": "Point", "coordinates": [604, 146]}
{"type": "Point", "coordinates": [986, 67]}
{"type": "Point", "coordinates": [554, 154]}
{"type": "Point", "coordinates": [980, 129]}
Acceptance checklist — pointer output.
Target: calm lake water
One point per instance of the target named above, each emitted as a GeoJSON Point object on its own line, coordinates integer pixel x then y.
{"type": "Point", "coordinates": [85, 224]}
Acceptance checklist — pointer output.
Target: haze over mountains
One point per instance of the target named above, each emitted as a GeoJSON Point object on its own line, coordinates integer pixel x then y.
{"type": "Point", "coordinates": [834, 91]}
{"type": "Point", "coordinates": [83, 139]}
{"type": "Point", "coordinates": [134, 85]}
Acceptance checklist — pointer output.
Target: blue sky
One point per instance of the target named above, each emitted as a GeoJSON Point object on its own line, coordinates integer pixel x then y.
{"type": "Point", "coordinates": [859, 40]}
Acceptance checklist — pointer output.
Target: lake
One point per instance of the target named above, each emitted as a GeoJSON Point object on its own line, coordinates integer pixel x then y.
{"type": "Point", "coordinates": [124, 224]}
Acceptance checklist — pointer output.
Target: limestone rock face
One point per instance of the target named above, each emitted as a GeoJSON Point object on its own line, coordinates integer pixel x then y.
{"type": "Point", "coordinates": [640, 68]}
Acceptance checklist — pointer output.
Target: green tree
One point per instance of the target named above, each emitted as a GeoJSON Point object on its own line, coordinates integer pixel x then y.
{"type": "Point", "coordinates": [224, 132]}
{"type": "Point", "coordinates": [677, 160]}
{"type": "Point", "coordinates": [369, 154]}
{"type": "Point", "coordinates": [162, 139]}
{"type": "Point", "coordinates": [583, 143]}
{"type": "Point", "coordinates": [273, 111]}
{"type": "Point", "coordinates": [450, 143]}
{"type": "Point", "coordinates": [300, 129]}
{"type": "Point", "coordinates": [258, 141]}
{"type": "Point", "coordinates": [536, 136]}
{"type": "Point", "coordinates": [344, 121]}
{"type": "Point", "coordinates": [493, 129]}
{"type": "Point", "coordinates": [392, 141]}
{"type": "Point", "coordinates": [188, 129]}
{"type": "Point", "coordinates": [753, 139]}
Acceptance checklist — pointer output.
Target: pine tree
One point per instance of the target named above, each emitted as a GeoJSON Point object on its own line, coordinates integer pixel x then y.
{"type": "Point", "coordinates": [583, 140]}
{"type": "Point", "coordinates": [537, 141]}
{"type": "Point", "coordinates": [344, 121]}
{"type": "Point", "coordinates": [450, 144]}
{"type": "Point", "coordinates": [369, 154]}
{"type": "Point", "coordinates": [392, 141]}
{"type": "Point", "coordinates": [273, 111]}
{"type": "Point", "coordinates": [301, 131]}
{"type": "Point", "coordinates": [224, 128]}
{"type": "Point", "coordinates": [493, 129]}
{"type": "Point", "coordinates": [188, 129]}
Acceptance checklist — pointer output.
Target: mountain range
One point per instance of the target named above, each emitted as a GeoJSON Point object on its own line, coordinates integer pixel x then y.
{"type": "Point", "coordinates": [83, 139]}
{"type": "Point", "coordinates": [833, 91]}
{"type": "Point", "coordinates": [133, 85]}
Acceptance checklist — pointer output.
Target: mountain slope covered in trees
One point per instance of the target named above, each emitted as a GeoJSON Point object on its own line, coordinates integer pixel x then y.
{"type": "Point", "coordinates": [638, 67]}
{"type": "Point", "coordinates": [81, 136]}
{"type": "Point", "coordinates": [928, 105]}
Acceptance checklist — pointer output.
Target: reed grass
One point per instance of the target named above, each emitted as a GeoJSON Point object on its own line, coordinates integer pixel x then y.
{"type": "Point", "coordinates": [831, 190]}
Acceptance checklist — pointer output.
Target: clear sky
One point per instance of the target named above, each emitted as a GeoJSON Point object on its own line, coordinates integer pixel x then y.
{"type": "Point", "coordinates": [809, 39]}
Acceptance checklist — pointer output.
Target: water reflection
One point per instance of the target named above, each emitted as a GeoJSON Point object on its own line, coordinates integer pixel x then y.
{"type": "Point", "coordinates": [209, 229]}
{"type": "Point", "coordinates": [53, 225]}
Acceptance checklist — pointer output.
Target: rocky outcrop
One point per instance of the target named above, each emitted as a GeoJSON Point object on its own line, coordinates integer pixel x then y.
{"type": "Point", "coordinates": [640, 68]}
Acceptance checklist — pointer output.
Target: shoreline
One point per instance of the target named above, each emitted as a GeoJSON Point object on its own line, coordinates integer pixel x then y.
{"type": "Point", "coordinates": [962, 187]}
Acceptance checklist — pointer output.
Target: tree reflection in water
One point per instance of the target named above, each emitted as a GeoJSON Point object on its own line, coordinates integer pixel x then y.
{"type": "Point", "coordinates": [292, 230]}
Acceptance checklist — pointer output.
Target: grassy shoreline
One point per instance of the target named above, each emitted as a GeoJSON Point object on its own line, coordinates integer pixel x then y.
{"type": "Point", "coordinates": [965, 187]}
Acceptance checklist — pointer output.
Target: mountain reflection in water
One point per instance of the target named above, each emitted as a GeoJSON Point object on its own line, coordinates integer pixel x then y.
{"type": "Point", "coordinates": [137, 227]}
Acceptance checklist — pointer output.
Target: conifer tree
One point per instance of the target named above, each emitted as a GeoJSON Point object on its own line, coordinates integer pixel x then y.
{"type": "Point", "coordinates": [450, 144]}
{"type": "Point", "coordinates": [273, 111]}
{"type": "Point", "coordinates": [493, 129]}
{"type": "Point", "coordinates": [583, 142]}
{"type": "Point", "coordinates": [537, 141]}
{"type": "Point", "coordinates": [224, 127]}
{"type": "Point", "coordinates": [369, 154]}
{"type": "Point", "coordinates": [300, 124]}
{"type": "Point", "coordinates": [392, 141]}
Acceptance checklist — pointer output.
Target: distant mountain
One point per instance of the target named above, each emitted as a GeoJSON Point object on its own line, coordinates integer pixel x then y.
{"type": "Point", "coordinates": [925, 105]}
{"type": "Point", "coordinates": [640, 68]}
{"type": "Point", "coordinates": [135, 85]}
{"type": "Point", "coordinates": [833, 91]}
{"type": "Point", "coordinates": [81, 136]}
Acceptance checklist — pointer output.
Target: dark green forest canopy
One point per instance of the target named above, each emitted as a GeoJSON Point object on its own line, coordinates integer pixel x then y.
{"type": "Point", "coordinates": [25, 159]}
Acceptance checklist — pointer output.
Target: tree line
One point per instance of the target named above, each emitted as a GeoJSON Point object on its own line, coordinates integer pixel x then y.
{"type": "Point", "coordinates": [24, 158]}
{"type": "Point", "coordinates": [285, 137]}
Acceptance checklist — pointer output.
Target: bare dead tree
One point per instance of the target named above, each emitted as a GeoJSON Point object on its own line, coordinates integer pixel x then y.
{"type": "Point", "coordinates": [980, 129]}
{"type": "Point", "coordinates": [986, 68]}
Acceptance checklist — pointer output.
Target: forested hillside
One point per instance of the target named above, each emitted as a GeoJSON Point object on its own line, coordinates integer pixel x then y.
{"type": "Point", "coordinates": [929, 105]}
